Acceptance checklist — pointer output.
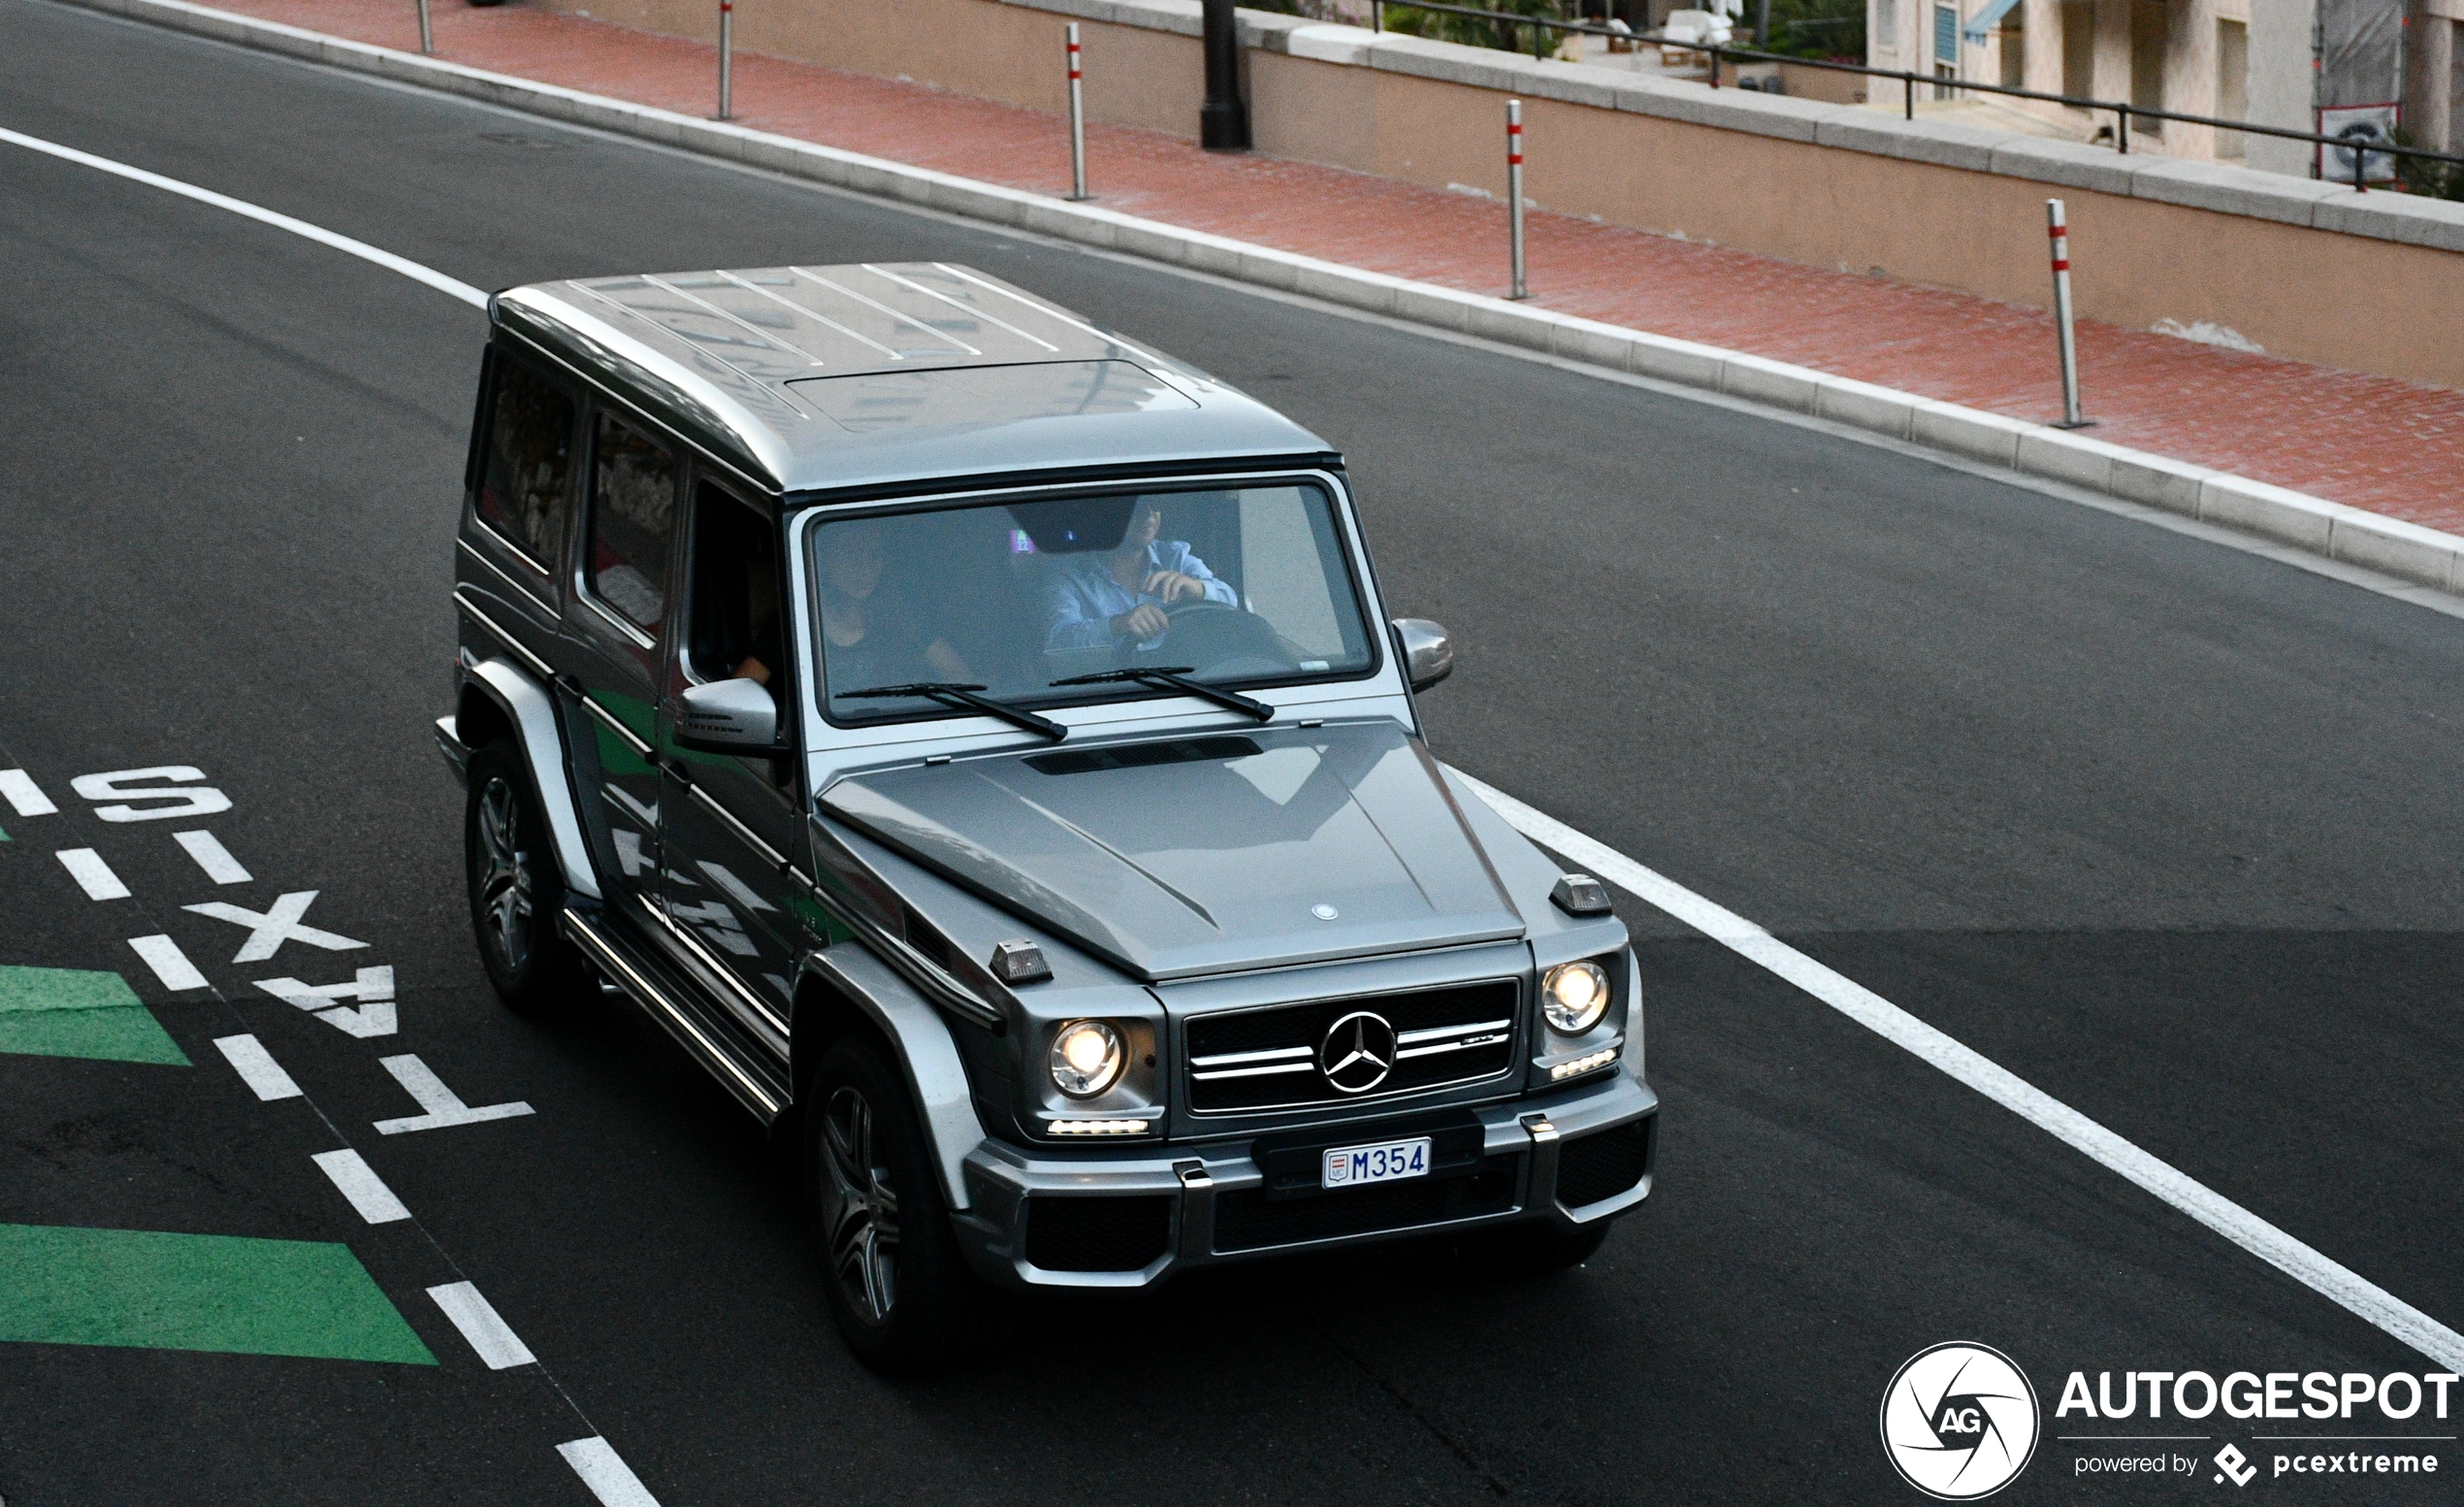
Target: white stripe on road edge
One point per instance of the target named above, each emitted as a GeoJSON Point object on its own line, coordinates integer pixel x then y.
{"type": "Point", "coordinates": [257, 1068]}
{"type": "Point", "coordinates": [2337, 1283]}
{"type": "Point", "coordinates": [241, 206]}
{"type": "Point", "coordinates": [358, 1182]}
{"type": "Point", "coordinates": [2226, 1218]}
{"type": "Point", "coordinates": [23, 796]}
{"type": "Point", "coordinates": [91, 873]}
{"type": "Point", "coordinates": [169, 963]}
{"type": "Point", "coordinates": [491, 1336]}
{"type": "Point", "coordinates": [595, 1461]}
{"type": "Point", "coordinates": [211, 857]}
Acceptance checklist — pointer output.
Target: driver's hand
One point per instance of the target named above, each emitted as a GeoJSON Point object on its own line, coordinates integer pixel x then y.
{"type": "Point", "coordinates": [1141, 622]}
{"type": "Point", "coordinates": [1172, 587]}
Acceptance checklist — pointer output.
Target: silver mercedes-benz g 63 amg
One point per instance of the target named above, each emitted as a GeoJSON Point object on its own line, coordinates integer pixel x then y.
{"type": "Point", "coordinates": [977, 738]}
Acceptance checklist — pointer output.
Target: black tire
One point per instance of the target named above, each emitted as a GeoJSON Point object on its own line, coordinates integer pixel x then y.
{"type": "Point", "coordinates": [517, 891]}
{"type": "Point", "coordinates": [898, 1284]}
{"type": "Point", "coordinates": [1516, 1251]}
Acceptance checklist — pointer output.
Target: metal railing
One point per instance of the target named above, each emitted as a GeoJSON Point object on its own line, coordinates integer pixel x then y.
{"type": "Point", "coordinates": [1718, 52]}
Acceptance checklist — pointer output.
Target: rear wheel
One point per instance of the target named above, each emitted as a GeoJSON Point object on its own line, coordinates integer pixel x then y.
{"type": "Point", "coordinates": [516, 889]}
{"type": "Point", "coordinates": [898, 1287]}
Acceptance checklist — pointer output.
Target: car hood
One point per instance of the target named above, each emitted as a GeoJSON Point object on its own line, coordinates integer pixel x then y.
{"type": "Point", "coordinates": [1207, 852]}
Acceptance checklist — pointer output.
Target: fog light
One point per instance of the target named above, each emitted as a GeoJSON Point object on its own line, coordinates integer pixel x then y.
{"type": "Point", "coordinates": [1586, 1063]}
{"type": "Point", "coordinates": [1574, 996]}
{"type": "Point", "coordinates": [1097, 1127]}
{"type": "Point", "coordinates": [1086, 1059]}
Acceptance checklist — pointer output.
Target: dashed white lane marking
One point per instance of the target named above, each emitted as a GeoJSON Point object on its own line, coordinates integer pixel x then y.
{"type": "Point", "coordinates": [257, 1068]}
{"type": "Point", "coordinates": [357, 1181]}
{"type": "Point", "coordinates": [241, 206]}
{"type": "Point", "coordinates": [91, 873]}
{"type": "Point", "coordinates": [24, 794]}
{"type": "Point", "coordinates": [2330, 1280]}
{"type": "Point", "coordinates": [491, 1336]}
{"type": "Point", "coordinates": [609, 1478]}
{"type": "Point", "coordinates": [444, 1106]}
{"type": "Point", "coordinates": [276, 923]}
{"type": "Point", "coordinates": [211, 857]}
{"type": "Point", "coordinates": [169, 963]}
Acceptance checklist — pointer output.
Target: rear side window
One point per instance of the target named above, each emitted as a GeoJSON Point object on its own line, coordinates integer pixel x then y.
{"type": "Point", "coordinates": [632, 518]}
{"type": "Point", "coordinates": [529, 470]}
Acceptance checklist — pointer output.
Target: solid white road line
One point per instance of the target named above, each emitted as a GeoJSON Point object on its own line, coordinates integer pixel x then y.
{"type": "Point", "coordinates": [241, 206]}
{"type": "Point", "coordinates": [24, 796]}
{"type": "Point", "coordinates": [491, 1336]}
{"type": "Point", "coordinates": [2230, 1220]}
{"type": "Point", "coordinates": [358, 1182]}
{"type": "Point", "coordinates": [169, 963]}
{"type": "Point", "coordinates": [211, 857]}
{"type": "Point", "coordinates": [2338, 1284]}
{"type": "Point", "coordinates": [257, 1068]}
{"type": "Point", "coordinates": [595, 1461]}
{"type": "Point", "coordinates": [91, 873]}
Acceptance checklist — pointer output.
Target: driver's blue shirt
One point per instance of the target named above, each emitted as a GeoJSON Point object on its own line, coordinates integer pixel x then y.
{"type": "Point", "coordinates": [1085, 596]}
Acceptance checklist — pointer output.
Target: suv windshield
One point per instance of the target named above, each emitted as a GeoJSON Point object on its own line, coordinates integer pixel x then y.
{"type": "Point", "coordinates": [1224, 587]}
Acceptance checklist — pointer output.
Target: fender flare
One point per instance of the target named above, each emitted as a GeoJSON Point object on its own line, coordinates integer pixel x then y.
{"type": "Point", "coordinates": [535, 722]}
{"type": "Point", "coordinates": [920, 1036]}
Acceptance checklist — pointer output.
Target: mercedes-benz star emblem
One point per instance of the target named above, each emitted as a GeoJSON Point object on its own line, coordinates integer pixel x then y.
{"type": "Point", "coordinates": [1357, 1053]}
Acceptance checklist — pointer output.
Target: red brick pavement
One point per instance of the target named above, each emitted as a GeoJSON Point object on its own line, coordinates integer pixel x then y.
{"type": "Point", "coordinates": [2393, 446]}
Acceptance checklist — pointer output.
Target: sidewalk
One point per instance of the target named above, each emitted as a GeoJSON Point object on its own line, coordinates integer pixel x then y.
{"type": "Point", "coordinates": [2390, 447]}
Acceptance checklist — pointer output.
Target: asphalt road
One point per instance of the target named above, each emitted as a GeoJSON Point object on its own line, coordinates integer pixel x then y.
{"type": "Point", "coordinates": [2167, 828]}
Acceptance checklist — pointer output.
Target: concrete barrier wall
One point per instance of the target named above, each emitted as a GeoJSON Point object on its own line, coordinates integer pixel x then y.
{"type": "Point", "coordinates": [2310, 271]}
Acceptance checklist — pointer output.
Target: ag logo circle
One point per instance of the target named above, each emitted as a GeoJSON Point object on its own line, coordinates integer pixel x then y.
{"type": "Point", "coordinates": [1357, 1052]}
{"type": "Point", "coordinates": [1959, 1421]}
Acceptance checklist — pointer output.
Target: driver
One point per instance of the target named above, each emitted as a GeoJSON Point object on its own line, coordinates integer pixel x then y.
{"type": "Point", "coordinates": [1099, 599]}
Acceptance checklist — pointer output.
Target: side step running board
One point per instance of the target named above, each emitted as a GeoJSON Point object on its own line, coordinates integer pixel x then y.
{"type": "Point", "coordinates": [705, 1039]}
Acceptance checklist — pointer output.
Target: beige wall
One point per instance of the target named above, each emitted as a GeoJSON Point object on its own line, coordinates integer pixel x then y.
{"type": "Point", "coordinates": [2307, 294]}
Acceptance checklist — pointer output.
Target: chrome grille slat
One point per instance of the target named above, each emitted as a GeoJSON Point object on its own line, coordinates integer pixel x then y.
{"type": "Point", "coordinates": [1266, 1058]}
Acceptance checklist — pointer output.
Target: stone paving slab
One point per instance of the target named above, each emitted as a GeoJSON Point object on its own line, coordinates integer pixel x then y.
{"type": "Point", "coordinates": [2392, 446]}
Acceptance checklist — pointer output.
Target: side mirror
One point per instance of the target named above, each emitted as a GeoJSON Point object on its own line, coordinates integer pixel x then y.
{"type": "Point", "coordinates": [728, 716]}
{"type": "Point", "coordinates": [1428, 654]}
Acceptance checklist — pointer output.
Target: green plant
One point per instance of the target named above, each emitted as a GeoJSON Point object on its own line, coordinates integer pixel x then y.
{"type": "Point", "coordinates": [1475, 31]}
{"type": "Point", "coordinates": [2427, 176]}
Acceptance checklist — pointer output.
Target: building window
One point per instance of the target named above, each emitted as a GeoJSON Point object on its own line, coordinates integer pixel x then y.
{"type": "Point", "coordinates": [1946, 35]}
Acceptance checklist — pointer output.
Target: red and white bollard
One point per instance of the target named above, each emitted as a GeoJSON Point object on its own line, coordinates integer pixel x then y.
{"type": "Point", "coordinates": [726, 59]}
{"type": "Point", "coordinates": [2059, 230]}
{"type": "Point", "coordinates": [1077, 119]}
{"type": "Point", "coordinates": [1514, 191]}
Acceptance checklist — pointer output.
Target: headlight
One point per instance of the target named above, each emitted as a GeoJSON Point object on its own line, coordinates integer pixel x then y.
{"type": "Point", "coordinates": [1574, 996]}
{"type": "Point", "coordinates": [1086, 1059]}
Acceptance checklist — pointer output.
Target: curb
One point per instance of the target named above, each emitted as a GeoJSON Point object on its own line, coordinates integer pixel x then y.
{"type": "Point", "coordinates": [2408, 551]}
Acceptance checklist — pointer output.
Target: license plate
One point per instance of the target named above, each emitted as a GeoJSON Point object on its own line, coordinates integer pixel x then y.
{"type": "Point", "coordinates": [1385, 1161]}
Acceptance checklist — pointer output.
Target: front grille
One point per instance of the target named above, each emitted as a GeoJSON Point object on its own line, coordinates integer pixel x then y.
{"type": "Point", "coordinates": [1097, 1235]}
{"type": "Point", "coordinates": [1268, 1058]}
{"type": "Point", "coordinates": [1602, 1165]}
{"type": "Point", "coordinates": [1253, 1220]}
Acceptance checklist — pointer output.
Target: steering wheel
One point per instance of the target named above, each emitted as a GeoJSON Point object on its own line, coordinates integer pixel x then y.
{"type": "Point", "coordinates": [1217, 638]}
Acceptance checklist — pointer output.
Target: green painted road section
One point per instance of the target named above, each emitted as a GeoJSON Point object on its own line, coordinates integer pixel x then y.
{"type": "Point", "coordinates": [60, 1284]}
{"type": "Point", "coordinates": [74, 1012]}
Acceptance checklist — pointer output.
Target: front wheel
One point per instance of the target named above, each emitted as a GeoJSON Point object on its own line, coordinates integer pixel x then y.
{"type": "Point", "coordinates": [516, 889]}
{"type": "Point", "coordinates": [898, 1287]}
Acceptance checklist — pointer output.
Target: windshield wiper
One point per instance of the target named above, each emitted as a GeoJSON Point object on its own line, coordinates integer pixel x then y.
{"type": "Point", "coordinates": [949, 692]}
{"type": "Point", "coordinates": [1176, 678]}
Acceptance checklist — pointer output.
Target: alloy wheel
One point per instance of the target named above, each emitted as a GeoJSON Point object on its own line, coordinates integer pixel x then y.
{"type": "Point", "coordinates": [503, 880]}
{"type": "Point", "coordinates": [862, 1215]}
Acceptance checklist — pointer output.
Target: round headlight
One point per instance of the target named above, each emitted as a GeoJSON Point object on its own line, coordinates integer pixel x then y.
{"type": "Point", "coordinates": [1086, 1059]}
{"type": "Point", "coordinates": [1574, 996]}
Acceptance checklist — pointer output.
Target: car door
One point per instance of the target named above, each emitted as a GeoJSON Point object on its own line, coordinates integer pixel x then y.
{"type": "Point", "coordinates": [729, 824]}
{"type": "Point", "coordinates": [620, 629]}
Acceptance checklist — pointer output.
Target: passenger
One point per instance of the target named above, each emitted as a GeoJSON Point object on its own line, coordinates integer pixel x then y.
{"type": "Point", "coordinates": [761, 611]}
{"type": "Point", "coordinates": [869, 642]}
{"type": "Point", "coordinates": [1100, 600]}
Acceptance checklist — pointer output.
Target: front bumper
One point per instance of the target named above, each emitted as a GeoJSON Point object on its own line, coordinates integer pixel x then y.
{"type": "Point", "coordinates": [1130, 1218]}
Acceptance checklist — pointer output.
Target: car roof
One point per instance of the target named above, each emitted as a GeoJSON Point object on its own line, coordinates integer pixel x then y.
{"type": "Point", "coordinates": [880, 373]}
